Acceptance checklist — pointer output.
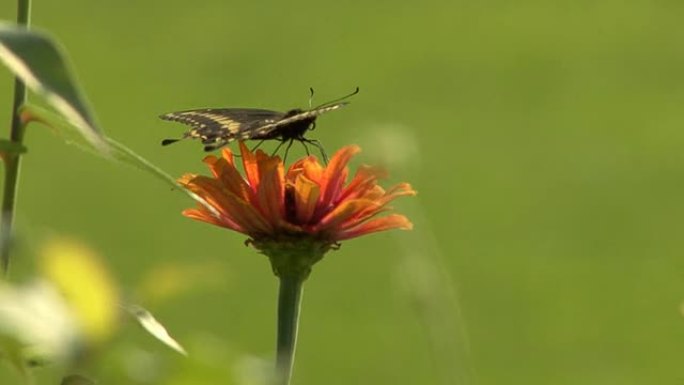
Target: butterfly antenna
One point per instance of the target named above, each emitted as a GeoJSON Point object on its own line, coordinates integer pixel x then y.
{"type": "Point", "coordinates": [356, 91]}
{"type": "Point", "coordinates": [311, 96]}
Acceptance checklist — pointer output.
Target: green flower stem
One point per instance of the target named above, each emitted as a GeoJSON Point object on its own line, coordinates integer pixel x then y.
{"type": "Point", "coordinates": [289, 298]}
{"type": "Point", "coordinates": [12, 159]}
{"type": "Point", "coordinates": [291, 260]}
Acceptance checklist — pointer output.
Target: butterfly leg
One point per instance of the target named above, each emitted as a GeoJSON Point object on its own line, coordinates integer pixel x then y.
{"type": "Point", "coordinates": [287, 149]}
{"type": "Point", "coordinates": [320, 148]}
{"type": "Point", "coordinates": [303, 142]}
{"type": "Point", "coordinates": [258, 144]}
{"type": "Point", "coordinates": [277, 148]}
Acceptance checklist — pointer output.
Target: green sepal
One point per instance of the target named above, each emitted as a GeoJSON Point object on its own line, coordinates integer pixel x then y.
{"type": "Point", "coordinates": [292, 256]}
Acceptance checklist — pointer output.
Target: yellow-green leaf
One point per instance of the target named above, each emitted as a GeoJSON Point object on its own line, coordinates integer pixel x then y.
{"type": "Point", "coordinates": [156, 329]}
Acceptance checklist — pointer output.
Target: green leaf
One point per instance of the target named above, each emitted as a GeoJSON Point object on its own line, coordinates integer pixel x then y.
{"type": "Point", "coordinates": [38, 60]}
{"type": "Point", "coordinates": [113, 150]}
{"type": "Point", "coordinates": [156, 329]}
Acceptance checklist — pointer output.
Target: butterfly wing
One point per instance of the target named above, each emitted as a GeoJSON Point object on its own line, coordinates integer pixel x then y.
{"type": "Point", "coordinates": [216, 127]}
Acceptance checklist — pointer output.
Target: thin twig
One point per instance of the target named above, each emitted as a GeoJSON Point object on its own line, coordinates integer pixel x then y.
{"type": "Point", "coordinates": [12, 159]}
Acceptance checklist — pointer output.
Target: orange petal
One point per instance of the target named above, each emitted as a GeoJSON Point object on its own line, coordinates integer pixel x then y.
{"type": "Point", "coordinates": [335, 175]}
{"type": "Point", "coordinates": [374, 192]}
{"type": "Point", "coordinates": [306, 197]}
{"type": "Point", "coordinates": [343, 213]}
{"type": "Point", "coordinates": [389, 222]}
{"type": "Point", "coordinates": [402, 189]}
{"type": "Point", "coordinates": [210, 161]}
{"type": "Point", "coordinates": [380, 200]}
{"type": "Point", "coordinates": [201, 214]}
{"type": "Point", "coordinates": [363, 215]}
{"type": "Point", "coordinates": [250, 165]}
{"type": "Point", "coordinates": [399, 190]}
{"type": "Point", "coordinates": [214, 162]}
{"type": "Point", "coordinates": [250, 218]}
{"type": "Point", "coordinates": [312, 169]}
{"type": "Point", "coordinates": [228, 205]}
{"type": "Point", "coordinates": [231, 179]}
{"type": "Point", "coordinates": [228, 155]}
{"type": "Point", "coordinates": [270, 194]}
{"type": "Point", "coordinates": [186, 178]}
{"type": "Point", "coordinates": [364, 179]}
{"type": "Point", "coordinates": [297, 168]}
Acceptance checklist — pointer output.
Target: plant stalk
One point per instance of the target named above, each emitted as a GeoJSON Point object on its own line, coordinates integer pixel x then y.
{"type": "Point", "coordinates": [12, 159]}
{"type": "Point", "coordinates": [290, 294]}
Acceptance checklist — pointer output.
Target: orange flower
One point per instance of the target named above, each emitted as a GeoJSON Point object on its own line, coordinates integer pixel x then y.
{"type": "Point", "coordinates": [294, 217]}
{"type": "Point", "coordinates": [308, 202]}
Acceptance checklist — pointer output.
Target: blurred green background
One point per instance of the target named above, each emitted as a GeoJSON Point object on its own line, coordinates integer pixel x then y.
{"type": "Point", "coordinates": [545, 139]}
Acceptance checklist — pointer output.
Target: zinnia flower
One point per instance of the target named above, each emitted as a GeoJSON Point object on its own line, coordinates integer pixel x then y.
{"type": "Point", "coordinates": [294, 217]}
{"type": "Point", "coordinates": [309, 206]}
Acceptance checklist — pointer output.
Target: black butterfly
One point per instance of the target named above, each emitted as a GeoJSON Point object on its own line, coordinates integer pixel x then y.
{"type": "Point", "coordinates": [216, 127]}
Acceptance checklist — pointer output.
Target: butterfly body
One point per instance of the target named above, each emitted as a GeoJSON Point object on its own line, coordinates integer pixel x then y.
{"type": "Point", "coordinates": [293, 130]}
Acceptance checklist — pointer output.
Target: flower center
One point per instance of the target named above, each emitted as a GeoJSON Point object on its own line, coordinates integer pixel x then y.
{"type": "Point", "coordinates": [290, 204]}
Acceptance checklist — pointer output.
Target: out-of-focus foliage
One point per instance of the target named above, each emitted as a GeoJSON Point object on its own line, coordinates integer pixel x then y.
{"type": "Point", "coordinates": [68, 313]}
{"type": "Point", "coordinates": [72, 307]}
{"type": "Point", "coordinates": [85, 284]}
